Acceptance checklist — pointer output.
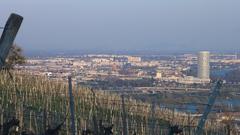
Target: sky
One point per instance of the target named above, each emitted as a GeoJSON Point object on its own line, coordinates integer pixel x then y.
{"type": "Point", "coordinates": [126, 25]}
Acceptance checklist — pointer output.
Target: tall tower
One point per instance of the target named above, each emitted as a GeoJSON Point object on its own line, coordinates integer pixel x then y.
{"type": "Point", "coordinates": [203, 65]}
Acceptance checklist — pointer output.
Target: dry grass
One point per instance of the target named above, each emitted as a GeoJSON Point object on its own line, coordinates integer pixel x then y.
{"type": "Point", "coordinates": [39, 102]}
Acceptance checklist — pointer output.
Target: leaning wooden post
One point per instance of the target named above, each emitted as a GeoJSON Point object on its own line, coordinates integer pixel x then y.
{"type": "Point", "coordinates": [71, 105]}
{"type": "Point", "coordinates": [124, 118]}
{"type": "Point", "coordinates": [9, 33]}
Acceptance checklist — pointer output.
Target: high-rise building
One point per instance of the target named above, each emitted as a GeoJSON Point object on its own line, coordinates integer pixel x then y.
{"type": "Point", "coordinates": [203, 65]}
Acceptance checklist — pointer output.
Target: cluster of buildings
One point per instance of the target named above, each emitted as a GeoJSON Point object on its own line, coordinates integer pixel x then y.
{"type": "Point", "coordinates": [94, 68]}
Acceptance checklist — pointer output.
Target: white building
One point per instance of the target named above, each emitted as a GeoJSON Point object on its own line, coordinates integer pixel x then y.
{"type": "Point", "coordinates": [158, 75]}
{"type": "Point", "coordinates": [133, 59]}
{"type": "Point", "coordinates": [203, 65]}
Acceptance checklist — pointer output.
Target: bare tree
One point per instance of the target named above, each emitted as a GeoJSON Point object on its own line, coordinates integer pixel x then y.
{"type": "Point", "coordinates": [15, 57]}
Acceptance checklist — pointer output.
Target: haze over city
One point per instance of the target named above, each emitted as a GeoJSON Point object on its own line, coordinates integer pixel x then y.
{"type": "Point", "coordinates": [126, 26]}
{"type": "Point", "coordinates": [127, 67]}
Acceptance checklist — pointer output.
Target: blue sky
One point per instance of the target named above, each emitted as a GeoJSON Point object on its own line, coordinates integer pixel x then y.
{"type": "Point", "coordinates": [126, 25]}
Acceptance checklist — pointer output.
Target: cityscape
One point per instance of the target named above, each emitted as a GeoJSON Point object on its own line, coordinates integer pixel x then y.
{"type": "Point", "coordinates": [184, 80]}
{"type": "Point", "coordinates": [93, 69]}
{"type": "Point", "coordinates": [119, 67]}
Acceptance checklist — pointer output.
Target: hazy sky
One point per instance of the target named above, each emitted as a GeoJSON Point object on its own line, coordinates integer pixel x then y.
{"type": "Point", "coordinates": [152, 25]}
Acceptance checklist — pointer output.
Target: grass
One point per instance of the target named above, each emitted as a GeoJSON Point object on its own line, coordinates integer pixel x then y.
{"type": "Point", "coordinates": [39, 102]}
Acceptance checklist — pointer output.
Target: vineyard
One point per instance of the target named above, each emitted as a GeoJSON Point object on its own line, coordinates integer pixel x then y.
{"type": "Point", "coordinates": [40, 104]}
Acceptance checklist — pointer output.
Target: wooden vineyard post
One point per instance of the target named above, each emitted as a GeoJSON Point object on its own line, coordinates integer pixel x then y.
{"type": "Point", "coordinates": [124, 118]}
{"type": "Point", "coordinates": [9, 33]}
{"type": "Point", "coordinates": [21, 115]}
{"type": "Point", "coordinates": [153, 121]}
{"type": "Point", "coordinates": [36, 124]}
{"type": "Point", "coordinates": [95, 124]}
{"type": "Point", "coordinates": [189, 123]}
{"type": "Point", "coordinates": [30, 120]}
{"type": "Point", "coordinates": [173, 114]}
{"type": "Point", "coordinates": [71, 106]}
{"type": "Point", "coordinates": [1, 131]}
{"type": "Point", "coordinates": [45, 119]}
